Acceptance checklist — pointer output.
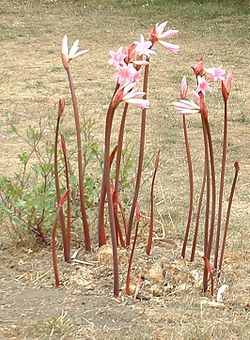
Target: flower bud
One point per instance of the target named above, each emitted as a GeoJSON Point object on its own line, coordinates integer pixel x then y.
{"type": "Point", "coordinates": [203, 107]}
{"type": "Point", "coordinates": [61, 106]}
{"type": "Point", "coordinates": [183, 88]}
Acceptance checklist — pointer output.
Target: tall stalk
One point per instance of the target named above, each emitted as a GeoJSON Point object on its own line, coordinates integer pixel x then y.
{"type": "Point", "coordinates": [191, 187]}
{"type": "Point", "coordinates": [151, 223]}
{"type": "Point", "coordinates": [206, 178]}
{"type": "Point", "coordinates": [53, 241]}
{"type": "Point", "coordinates": [80, 163]}
{"type": "Point", "coordinates": [119, 148]}
{"type": "Point", "coordinates": [127, 289]}
{"type": "Point", "coordinates": [213, 187]}
{"type": "Point", "coordinates": [107, 183]}
{"type": "Point", "coordinates": [222, 177]}
{"type": "Point", "coordinates": [237, 168]}
{"type": "Point", "coordinates": [68, 229]}
{"type": "Point", "coordinates": [101, 225]}
{"type": "Point", "coordinates": [141, 157]}
{"type": "Point", "coordinates": [61, 105]}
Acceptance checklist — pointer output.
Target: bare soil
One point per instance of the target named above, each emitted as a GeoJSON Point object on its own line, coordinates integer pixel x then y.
{"type": "Point", "coordinates": [170, 303]}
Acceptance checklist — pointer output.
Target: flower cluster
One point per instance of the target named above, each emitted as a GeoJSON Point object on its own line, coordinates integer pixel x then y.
{"type": "Point", "coordinates": [203, 75]}
{"type": "Point", "coordinates": [128, 62]}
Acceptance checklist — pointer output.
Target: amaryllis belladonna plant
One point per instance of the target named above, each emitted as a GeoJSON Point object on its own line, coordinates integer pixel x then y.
{"type": "Point", "coordinates": [67, 56]}
{"type": "Point", "coordinates": [128, 63]}
{"type": "Point", "coordinates": [212, 227]}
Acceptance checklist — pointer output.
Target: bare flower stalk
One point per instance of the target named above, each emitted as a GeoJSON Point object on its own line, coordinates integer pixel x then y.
{"type": "Point", "coordinates": [141, 156]}
{"type": "Point", "coordinates": [117, 222]}
{"type": "Point", "coordinates": [213, 187]}
{"type": "Point", "coordinates": [54, 256]}
{"type": "Point", "coordinates": [107, 183]}
{"type": "Point", "coordinates": [119, 148]}
{"type": "Point", "coordinates": [151, 223]}
{"type": "Point", "coordinates": [80, 163]}
{"type": "Point", "coordinates": [206, 178]}
{"type": "Point", "coordinates": [101, 225]}
{"type": "Point", "coordinates": [223, 166]}
{"type": "Point", "coordinates": [61, 106]}
{"type": "Point", "coordinates": [191, 187]}
{"type": "Point", "coordinates": [127, 290]}
{"type": "Point", "coordinates": [213, 204]}
{"type": "Point", "coordinates": [237, 168]}
{"type": "Point", "coordinates": [68, 230]}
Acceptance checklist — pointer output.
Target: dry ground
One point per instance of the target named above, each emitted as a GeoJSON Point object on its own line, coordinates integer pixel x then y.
{"type": "Point", "coordinates": [32, 80]}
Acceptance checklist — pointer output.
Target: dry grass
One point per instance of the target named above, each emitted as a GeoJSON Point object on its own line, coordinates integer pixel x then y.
{"type": "Point", "coordinates": [32, 80]}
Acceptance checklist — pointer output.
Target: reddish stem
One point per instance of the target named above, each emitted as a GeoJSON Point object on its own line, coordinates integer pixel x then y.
{"type": "Point", "coordinates": [191, 187]}
{"type": "Point", "coordinates": [151, 223]}
{"type": "Point", "coordinates": [123, 217]}
{"type": "Point", "coordinates": [141, 156]}
{"type": "Point", "coordinates": [206, 177]}
{"type": "Point", "coordinates": [57, 185]}
{"type": "Point", "coordinates": [119, 148]}
{"type": "Point", "coordinates": [237, 168]}
{"type": "Point", "coordinates": [209, 269]}
{"type": "Point", "coordinates": [54, 256]}
{"type": "Point", "coordinates": [117, 223]}
{"type": "Point", "coordinates": [80, 163]}
{"type": "Point", "coordinates": [222, 177]}
{"type": "Point", "coordinates": [127, 290]}
{"type": "Point", "coordinates": [213, 186]}
{"type": "Point", "coordinates": [107, 182]}
{"type": "Point", "coordinates": [213, 203]}
{"type": "Point", "coordinates": [68, 196]}
{"type": "Point", "coordinates": [101, 225]}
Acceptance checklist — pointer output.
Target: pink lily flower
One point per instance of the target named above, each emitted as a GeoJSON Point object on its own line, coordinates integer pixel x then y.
{"type": "Point", "coordinates": [215, 73]}
{"type": "Point", "coordinates": [196, 97]}
{"type": "Point", "coordinates": [157, 34]}
{"type": "Point", "coordinates": [68, 55]}
{"type": "Point", "coordinates": [143, 48]}
{"type": "Point", "coordinates": [183, 88]}
{"type": "Point", "coordinates": [203, 85]}
{"type": "Point", "coordinates": [186, 107]}
{"type": "Point", "coordinates": [127, 94]}
{"type": "Point", "coordinates": [127, 74]}
{"type": "Point", "coordinates": [117, 58]}
{"type": "Point", "coordinates": [170, 47]}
